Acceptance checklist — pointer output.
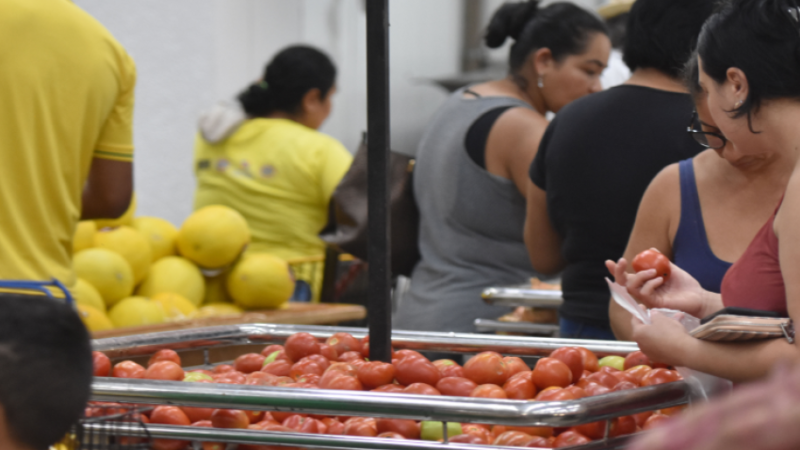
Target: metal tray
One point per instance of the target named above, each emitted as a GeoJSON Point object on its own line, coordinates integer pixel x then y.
{"type": "Point", "coordinates": [536, 329]}
{"type": "Point", "coordinates": [522, 296]}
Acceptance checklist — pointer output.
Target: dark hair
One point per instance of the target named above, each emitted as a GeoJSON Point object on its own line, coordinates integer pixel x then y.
{"type": "Point", "coordinates": [562, 27]}
{"type": "Point", "coordinates": [760, 38]}
{"type": "Point", "coordinates": [691, 76]}
{"type": "Point", "coordinates": [45, 368]}
{"type": "Point", "coordinates": [287, 78]}
{"type": "Point", "coordinates": [618, 29]}
{"type": "Point", "coordinates": [662, 33]}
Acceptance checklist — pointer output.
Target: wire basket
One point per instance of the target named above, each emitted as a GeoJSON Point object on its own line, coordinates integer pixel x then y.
{"type": "Point", "coordinates": [100, 428]}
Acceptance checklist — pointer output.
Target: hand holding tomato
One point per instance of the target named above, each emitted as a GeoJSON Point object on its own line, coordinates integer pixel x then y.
{"type": "Point", "coordinates": [652, 259]}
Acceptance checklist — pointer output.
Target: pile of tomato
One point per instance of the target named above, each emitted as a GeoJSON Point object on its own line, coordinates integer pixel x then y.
{"type": "Point", "coordinates": [341, 362]}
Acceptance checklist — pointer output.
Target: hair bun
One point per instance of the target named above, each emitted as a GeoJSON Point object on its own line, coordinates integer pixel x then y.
{"type": "Point", "coordinates": [509, 21]}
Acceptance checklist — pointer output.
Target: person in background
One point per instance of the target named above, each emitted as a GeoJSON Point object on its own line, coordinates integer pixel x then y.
{"type": "Point", "coordinates": [703, 212]}
{"type": "Point", "coordinates": [264, 156]}
{"type": "Point", "coordinates": [600, 153]}
{"type": "Point", "coordinates": [66, 148]}
{"type": "Point", "coordinates": [470, 175]}
{"type": "Point", "coordinates": [750, 72]}
{"type": "Point", "coordinates": [615, 13]}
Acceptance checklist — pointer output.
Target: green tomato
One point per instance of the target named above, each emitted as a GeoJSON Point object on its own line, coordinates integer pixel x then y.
{"type": "Point", "coordinates": [271, 358]}
{"type": "Point", "coordinates": [431, 430]}
{"type": "Point", "coordinates": [197, 376]}
{"type": "Point", "coordinates": [617, 362]}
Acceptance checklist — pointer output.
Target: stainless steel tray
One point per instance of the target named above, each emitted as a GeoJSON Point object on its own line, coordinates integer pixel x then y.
{"type": "Point", "coordinates": [522, 296]}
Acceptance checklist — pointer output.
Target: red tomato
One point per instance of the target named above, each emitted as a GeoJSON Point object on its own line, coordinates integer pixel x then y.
{"type": "Point", "coordinates": [449, 368]}
{"type": "Point", "coordinates": [593, 430]}
{"type": "Point", "coordinates": [555, 395]}
{"type": "Point", "coordinates": [576, 391]}
{"type": "Point", "coordinates": [403, 354]}
{"type": "Point", "coordinates": [270, 427]}
{"type": "Point", "coordinates": [391, 435]}
{"type": "Point", "coordinates": [197, 414]}
{"type": "Point", "coordinates": [551, 372]}
{"type": "Point", "coordinates": [305, 424]}
{"type": "Point", "coordinates": [519, 388]}
{"type": "Point", "coordinates": [270, 349]}
{"type": "Point", "coordinates": [232, 377]}
{"type": "Point", "coordinates": [479, 431]}
{"type": "Point", "coordinates": [410, 370]}
{"type": "Point", "coordinates": [305, 366]}
{"type": "Point", "coordinates": [128, 369]}
{"type": "Point", "coordinates": [654, 421]}
{"type": "Point", "coordinates": [544, 432]}
{"type": "Point", "coordinates": [169, 415]}
{"type": "Point", "coordinates": [340, 381]}
{"type": "Point", "coordinates": [573, 358]}
{"type": "Point", "coordinates": [641, 417]}
{"type": "Point", "coordinates": [512, 439]}
{"type": "Point", "coordinates": [538, 442]}
{"type": "Point", "coordinates": [456, 386]}
{"type": "Point", "coordinates": [334, 426]}
{"type": "Point", "coordinates": [260, 379]}
{"type": "Point", "coordinates": [229, 418]}
{"type": "Point", "coordinates": [515, 365]}
{"type": "Point", "coordinates": [320, 360]}
{"type": "Point", "coordinates": [280, 368]}
{"type": "Point", "coordinates": [638, 373]}
{"type": "Point", "coordinates": [300, 345]}
{"type": "Point", "coordinates": [594, 389]}
{"type": "Point", "coordinates": [343, 343]}
{"type": "Point", "coordinates": [351, 356]}
{"type": "Point", "coordinates": [602, 378]}
{"type": "Point", "coordinates": [659, 376]}
{"type": "Point", "coordinates": [609, 369]}
{"type": "Point", "coordinates": [280, 416]}
{"type": "Point", "coordinates": [652, 259]}
{"type": "Point", "coordinates": [375, 373]}
{"type": "Point", "coordinates": [309, 378]}
{"type": "Point", "coordinates": [164, 370]}
{"type": "Point", "coordinates": [407, 428]}
{"type": "Point", "coordinates": [390, 388]}
{"type": "Point", "coordinates": [421, 389]}
{"type": "Point", "coordinates": [625, 376]}
{"type": "Point", "coordinates": [487, 368]}
{"type": "Point", "coordinates": [488, 391]}
{"type": "Point", "coordinates": [254, 416]}
{"type": "Point", "coordinates": [328, 352]}
{"type": "Point", "coordinates": [590, 361]}
{"type": "Point", "coordinates": [569, 439]}
{"type": "Point", "coordinates": [469, 439]}
{"type": "Point", "coordinates": [164, 355]}
{"type": "Point", "coordinates": [637, 358]}
{"type": "Point", "coordinates": [624, 386]}
{"type": "Point", "coordinates": [361, 426]}
{"type": "Point", "coordinates": [345, 368]}
{"type": "Point", "coordinates": [223, 368]}
{"type": "Point", "coordinates": [249, 362]}
{"type": "Point", "coordinates": [101, 364]}
{"type": "Point", "coordinates": [622, 425]}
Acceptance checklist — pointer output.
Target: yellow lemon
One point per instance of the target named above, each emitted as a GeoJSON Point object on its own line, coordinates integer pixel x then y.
{"type": "Point", "coordinates": [129, 243]}
{"type": "Point", "coordinates": [160, 233]}
{"type": "Point", "coordinates": [125, 219]}
{"type": "Point", "coordinates": [86, 294]}
{"type": "Point", "coordinates": [93, 318]}
{"type": "Point", "coordinates": [174, 274]}
{"type": "Point", "coordinates": [217, 310]}
{"type": "Point", "coordinates": [107, 271]}
{"type": "Point", "coordinates": [175, 306]}
{"type": "Point", "coordinates": [260, 280]}
{"type": "Point", "coordinates": [213, 236]}
{"type": "Point", "coordinates": [215, 290]}
{"type": "Point", "coordinates": [84, 236]}
{"type": "Point", "coordinates": [136, 311]}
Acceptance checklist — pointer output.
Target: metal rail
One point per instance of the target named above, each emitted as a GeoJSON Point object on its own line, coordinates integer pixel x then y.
{"type": "Point", "coordinates": [518, 296]}
{"type": "Point", "coordinates": [324, 441]}
{"type": "Point", "coordinates": [200, 338]}
{"type": "Point", "coordinates": [539, 329]}
{"type": "Point", "coordinates": [404, 406]}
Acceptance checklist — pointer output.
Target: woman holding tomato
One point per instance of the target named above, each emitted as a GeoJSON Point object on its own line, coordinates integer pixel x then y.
{"type": "Point", "coordinates": [703, 212]}
{"type": "Point", "coordinates": [749, 59]}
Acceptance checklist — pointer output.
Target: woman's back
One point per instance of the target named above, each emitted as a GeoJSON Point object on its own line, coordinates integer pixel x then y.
{"type": "Point", "coordinates": [277, 173]}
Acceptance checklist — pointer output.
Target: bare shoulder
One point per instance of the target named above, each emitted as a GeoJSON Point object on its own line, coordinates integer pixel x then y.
{"type": "Point", "coordinates": [521, 124]}
{"type": "Point", "coordinates": [667, 184]}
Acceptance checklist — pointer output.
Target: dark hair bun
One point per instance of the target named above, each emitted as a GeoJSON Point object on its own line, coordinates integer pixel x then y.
{"type": "Point", "coordinates": [509, 21]}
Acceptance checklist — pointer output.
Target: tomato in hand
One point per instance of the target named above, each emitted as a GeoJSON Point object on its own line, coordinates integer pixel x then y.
{"type": "Point", "coordinates": [456, 386]}
{"type": "Point", "coordinates": [164, 355]}
{"type": "Point", "coordinates": [375, 373]}
{"type": "Point", "coordinates": [101, 364]}
{"type": "Point", "coordinates": [300, 345]}
{"type": "Point", "coordinates": [409, 429]}
{"type": "Point", "coordinates": [487, 368]}
{"type": "Point", "coordinates": [652, 259]}
{"type": "Point", "coordinates": [551, 372]}
{"type": "Point", "coordinates": [411, 370]}
{"type": "Point", "coordinates": [573, 358]}
{"type": "Point", "coordinates": [128, 369]}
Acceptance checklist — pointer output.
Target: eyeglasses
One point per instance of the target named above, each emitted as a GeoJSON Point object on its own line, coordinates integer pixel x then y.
{"type": "Point", "coordinates": [705, 138]}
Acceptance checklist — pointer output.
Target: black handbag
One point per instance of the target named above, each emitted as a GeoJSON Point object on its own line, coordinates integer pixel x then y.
{"type": "Point", "coordinates": [349, 232]}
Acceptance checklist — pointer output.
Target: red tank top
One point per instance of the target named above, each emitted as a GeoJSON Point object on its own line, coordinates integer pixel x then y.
{"type": "Point", "coordinates": [755, 280]}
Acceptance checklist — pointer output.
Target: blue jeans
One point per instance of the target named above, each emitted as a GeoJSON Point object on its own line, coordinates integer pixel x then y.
{"type": "Point", "coordinates": [572, 329]}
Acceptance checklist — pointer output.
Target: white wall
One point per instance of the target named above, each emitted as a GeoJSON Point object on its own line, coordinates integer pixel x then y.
{"type": "Point", "coordinates": [190, 53]}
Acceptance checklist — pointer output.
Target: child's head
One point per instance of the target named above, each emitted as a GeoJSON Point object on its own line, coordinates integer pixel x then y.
{"type": "Point", "coordinates": [45, 370]}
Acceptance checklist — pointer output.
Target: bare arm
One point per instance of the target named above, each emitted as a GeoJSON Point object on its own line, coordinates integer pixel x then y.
{"type": "Point", "coordinates": [108, 189]}
{"type": "Point", "coordinates": [541, 238]}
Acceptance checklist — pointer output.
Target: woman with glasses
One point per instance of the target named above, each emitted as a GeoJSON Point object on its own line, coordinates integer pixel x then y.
{"type": "Point", "coordinates": [749, 60]}
{"type": "Point", "coordinates": [703, 212]}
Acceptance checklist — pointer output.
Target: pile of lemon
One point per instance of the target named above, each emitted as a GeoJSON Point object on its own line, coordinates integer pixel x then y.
{"type": "Point", "coordinates": [135, 271]}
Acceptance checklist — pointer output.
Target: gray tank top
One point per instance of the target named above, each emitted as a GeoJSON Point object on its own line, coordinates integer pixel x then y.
{"type": "Point", "coordinates": [471, 226]}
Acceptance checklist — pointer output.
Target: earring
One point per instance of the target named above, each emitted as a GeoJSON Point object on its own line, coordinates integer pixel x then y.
{"type": "Point", "coordinates": [541, 82]}
{"type": "Point", "coordinates": [738, 104]}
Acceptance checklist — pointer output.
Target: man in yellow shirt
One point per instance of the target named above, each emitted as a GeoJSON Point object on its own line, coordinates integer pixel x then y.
{"type": "Point", "coordinates": [66, 107]}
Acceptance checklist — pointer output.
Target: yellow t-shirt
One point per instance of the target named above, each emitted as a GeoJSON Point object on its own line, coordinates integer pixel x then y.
{"type": "Point", "coordinates": [66, 96]}
{"type": "Point", "coordinates": [280, 175]}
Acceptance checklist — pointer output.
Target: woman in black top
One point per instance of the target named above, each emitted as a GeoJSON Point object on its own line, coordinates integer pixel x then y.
{"type": "Point", "coordinates": [598, 156]}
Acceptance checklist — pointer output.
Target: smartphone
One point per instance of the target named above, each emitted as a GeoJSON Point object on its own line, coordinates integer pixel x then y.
{"type": "Point", "coordinates": [734, 311]}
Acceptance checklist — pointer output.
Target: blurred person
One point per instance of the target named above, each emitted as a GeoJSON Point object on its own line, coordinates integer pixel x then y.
{"type": "Point", "coordinates": [470, 174]}
{"type": "Point", "coordinates": [600, 153]}
{"type": "Point", "coordinates": [264, 156]}
{"type": "Point", "coordinates": [65, 133]}
{"type": "Point", "coordinates": [615, 13]}
{"type": "Point", "coordinates": [761, 416]}
{"type": "Point", "coordinates": [750, 72]}
{"type": "Point", "coordinates": [45, 371]}
{"type": "Point", "coordinates": [703, 212]}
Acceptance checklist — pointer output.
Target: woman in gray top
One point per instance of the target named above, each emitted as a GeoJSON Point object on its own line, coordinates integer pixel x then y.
{"type": "Point", "coordinates": [471, 173]}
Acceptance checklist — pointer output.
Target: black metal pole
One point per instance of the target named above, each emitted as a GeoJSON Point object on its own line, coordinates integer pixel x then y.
{"type": "Point", "coordinates": [378, 250]}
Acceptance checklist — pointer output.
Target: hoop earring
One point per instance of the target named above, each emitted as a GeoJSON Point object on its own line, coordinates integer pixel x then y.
{"type": "Point", "coordinates": [541, 82]}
